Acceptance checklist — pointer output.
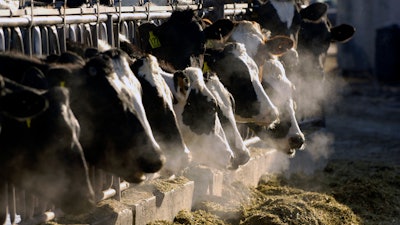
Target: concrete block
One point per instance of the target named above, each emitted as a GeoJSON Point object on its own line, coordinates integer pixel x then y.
{"type": "Point", "coordinates": [207, 182]}
{"type": "Point", "coordinates": [158, 200]}
{"type": "Point", "coordinates": [107, 212]}
{"type": "Point", "coordinates": [250, 173]}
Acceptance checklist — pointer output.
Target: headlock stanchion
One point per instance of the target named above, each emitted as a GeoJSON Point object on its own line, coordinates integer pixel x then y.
{"type": "Point", "coordinates": [42, 31]}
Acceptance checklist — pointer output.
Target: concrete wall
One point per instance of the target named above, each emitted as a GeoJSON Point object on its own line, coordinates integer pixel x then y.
{"type": "Point", "coordinates": [367, 16]}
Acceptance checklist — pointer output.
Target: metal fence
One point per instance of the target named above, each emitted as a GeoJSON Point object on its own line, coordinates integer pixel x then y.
{"type": "Point", "coordinates": [43, 31]}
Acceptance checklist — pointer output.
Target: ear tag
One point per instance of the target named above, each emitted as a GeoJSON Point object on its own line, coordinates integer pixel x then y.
{"type": "Point", "coordinates": [209, 44]}
{"type": "Point", "coordinates": [28, 123]}
{"type": "Point", "coordinates": [62, 84]}
{"type": "Point", "coordinates": [154, 41]}
{"type": "Point", "coordinates": [206, 68]}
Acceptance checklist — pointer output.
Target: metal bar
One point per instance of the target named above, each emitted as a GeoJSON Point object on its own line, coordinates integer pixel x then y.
{"type": "Point", "coordinates": [51, 17]}
{"type": "Point", "coordinates": [45, 217]}
{"type": "Point", "coordinates": [2, 40]}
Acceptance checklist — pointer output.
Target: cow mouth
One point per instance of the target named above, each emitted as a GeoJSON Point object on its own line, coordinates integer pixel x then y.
{"type": "Point", "coordinates": [291, 152]}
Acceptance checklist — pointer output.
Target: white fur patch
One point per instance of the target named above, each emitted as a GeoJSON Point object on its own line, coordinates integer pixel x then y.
{"type": "Point", "coordinates": [151, 71]}
{"type": "Point", "coordinates": [249, 33]}
{"type": "Point", "coordinates": [223, 97]}
{"type": "Point", "coordinates": [285, 10]}
{"type": "Point", "coordinates": [128, 85]}
{"type": "Point", "coordinates": [266, 104]}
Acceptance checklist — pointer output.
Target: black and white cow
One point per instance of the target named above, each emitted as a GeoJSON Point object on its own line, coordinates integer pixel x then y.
{"type": "Point", "coordinates": [280, 18]}
{"type": "Point", "coordinates": [158, 103]}
{"type": "Point", "coordinates": [314, 39]}
{"type": "Point", "coordinates": [312, 33]}
{"type": "Point", "coordinates": [226, 115]}
{"type": "Point", "coordinates": [196, 110]}
{"type": "Point", "coordinates": [177, 43]}
{"type": "Point", "coordinates": [241, 78]}
{"type": "Point", "coordinates": [40, 150]}
{"type": "Point", "coordinates": [285, 135]}
{"type": "Point", "coordinates": [106, 99]}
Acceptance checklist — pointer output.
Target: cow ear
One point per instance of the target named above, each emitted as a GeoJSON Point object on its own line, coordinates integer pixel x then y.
{"type": "Point", "coordinates": [314, 11]}
{"type": "Point", "coordinates": [278, 45]}
{"type": "Point", "coordinates": [219, 29]}
{"type": "Point", "coordinates": [145, 30]}
{"type": "Point", "coordinates": [22, 105]}
{"type": "Point", "coordinates": [34, 77]}
{"type": "Point", "coordinates": [58, 77]}
{"type": "Point", "coordinates": [342, 33]}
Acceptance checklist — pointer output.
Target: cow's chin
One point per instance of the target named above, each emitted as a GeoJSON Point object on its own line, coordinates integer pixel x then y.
{"type": "Point", "coordinates": [282, 146]}
{"type": "Point", "coordinates": [290, 153]}
{"type": "Point", "coordinates": [136, 177]}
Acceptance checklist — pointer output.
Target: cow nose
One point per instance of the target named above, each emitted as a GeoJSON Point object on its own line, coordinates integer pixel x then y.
{"type": "Point", "coordinates": [241, 158]}
{"type": "Point", "coordinates": [151, 163]}
{"type": "Point", "coordinates": [296, 142]}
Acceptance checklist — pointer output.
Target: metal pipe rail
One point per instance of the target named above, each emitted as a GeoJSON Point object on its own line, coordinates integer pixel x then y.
{"type": "Point", "coordinates": [43, 16]}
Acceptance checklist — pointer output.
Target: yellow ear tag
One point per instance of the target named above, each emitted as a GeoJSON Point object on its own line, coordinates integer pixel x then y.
{"type": "Point", "coordinates": [209, 44]}
{"type": "Point", "coordinates": [28, 123]}
{"type": "Point", "coordinates": [154, 41]}
{"type": "Point", "coordinates": [206, 68]}
{"type": "Point", "coordinates": [62, 84]}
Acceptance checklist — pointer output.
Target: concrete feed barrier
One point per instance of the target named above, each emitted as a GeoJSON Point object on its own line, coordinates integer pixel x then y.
{"type": "Point", "coordinates": [163, 199]}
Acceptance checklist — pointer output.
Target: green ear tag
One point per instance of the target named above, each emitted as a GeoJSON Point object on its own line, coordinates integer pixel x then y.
{"type": "Point", "coordinates": [205, 67]}
{"type": "Point", "coordinates": [28, 123]}
{"type": "Point", "coordinates": [209, 44]}
{"type": "Point", "coordinates": [62, 84]}
{"type": "Point", "coordinates": [154, 41]}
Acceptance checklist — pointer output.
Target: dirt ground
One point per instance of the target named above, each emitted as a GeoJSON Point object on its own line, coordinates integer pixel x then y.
{"type": "Point", "coordinates": [348, 174]}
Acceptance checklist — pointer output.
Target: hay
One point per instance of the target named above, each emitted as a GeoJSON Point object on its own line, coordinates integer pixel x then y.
{"type": "Point", "coordinates": [344, 192]}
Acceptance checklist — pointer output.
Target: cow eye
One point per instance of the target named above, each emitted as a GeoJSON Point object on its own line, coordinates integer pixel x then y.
{"type": "Point", "coordinates": [211, 110]}
{"type": "Point", "coordinates": [186, 81]}
{"type": "Point", "coordinates": [92, 71]}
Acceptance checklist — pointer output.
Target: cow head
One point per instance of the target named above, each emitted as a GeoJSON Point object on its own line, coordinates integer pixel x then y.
{"type": "Point", "coordinates": [40, 147]}
{"type": "Point", "coordinates": [158, 103]}
{"type": "Point", "coordinates": [241, 79]}
{"type": "Point", "coordinates": [225, 110]}
{"type": "Point", "coordinates": [196, 111]}
{"type": "Point", "coordinates": [106, 98]}
{"type": "Point", "coordinates": [286, 135]}
{"type": "Point", "coordinates": [314, 39]}
{"type": "Point", "coordinates": [179, 42]}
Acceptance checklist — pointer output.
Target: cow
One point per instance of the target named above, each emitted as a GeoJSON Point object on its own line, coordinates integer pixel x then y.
{"type": "Point", "coordinates": [196, 110]}
{"type": "Point", "coordinates": [177, 43]}
{"type": "Point", "coordinates": [106, 100]}
{"type": "Point", "coordinates": [176, 48]}
{"type": "Point", "coordinates": [258, 41]}
{"type": "Point", "coordinates": [312, 32]}
{"type": "Point", "coordinates": [285, 135]}
{"type": "Point", "coordinates": [314, 39]}
{"type": "Point", "coordinates": [41, 153]}
{"type": "Point", "coordinates": [158, 103]}
{"type": "Point", "coordinates": [280, 18]}
{"type": "Point", "coordinates": [241, 79]}
{"type": "Point", "coordinates": [226, 115]}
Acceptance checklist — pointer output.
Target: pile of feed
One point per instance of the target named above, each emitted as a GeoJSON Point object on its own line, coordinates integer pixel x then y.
{"type": "Point", "coordinates": [344, 192]}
